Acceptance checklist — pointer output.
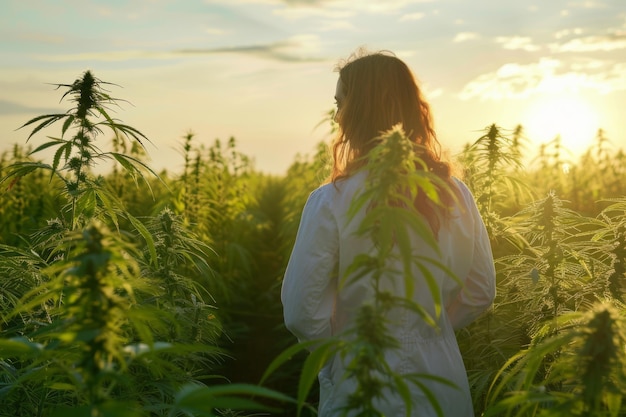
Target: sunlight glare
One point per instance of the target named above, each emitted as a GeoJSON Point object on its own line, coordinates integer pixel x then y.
{"type": "Point", "coordinates": [571, 118]}
{"type": "Point", "coordinates": [566, 168]}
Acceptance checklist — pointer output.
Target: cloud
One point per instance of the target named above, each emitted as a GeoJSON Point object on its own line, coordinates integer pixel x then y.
{"type": "Point", "coordinates": [591, 44]}
{"type": "Point", "coordinates": [465, 36]}
{"type": "Point", "coordinates": [588, 4]}
{"type": "Point", "coordinates": [517, 43]}
{"type": "Point", "coordinates": [106, 56]}
{"type": "Point", "coordinates": [299, 48]}
{"type": "Point", "coordinates": [307, 12]}
{"type": "Point", "coordinates": [516, 81]}
{"type": "Point", "coordinates": [11, 107]}
{"type": "Point", "coordinates": [432, 94]}
{"type": "Point", "coordinates": [567, 32]}
{"type": "Point", "coordinates": [333, 9]}
{"type": "Point", "coordinates": [305, 2]}
{"type": "Point", "coordinates": [362, 4]}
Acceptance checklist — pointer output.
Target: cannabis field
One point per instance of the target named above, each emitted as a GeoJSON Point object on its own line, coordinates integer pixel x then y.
{"type": "Point", "coordinates": [143, 293]}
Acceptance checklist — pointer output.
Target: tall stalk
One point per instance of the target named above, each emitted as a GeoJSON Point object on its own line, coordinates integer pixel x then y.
{"type": "Point", "coordinates": [75, 156]}
{"type": "Point", "coordinates": [492, 170]}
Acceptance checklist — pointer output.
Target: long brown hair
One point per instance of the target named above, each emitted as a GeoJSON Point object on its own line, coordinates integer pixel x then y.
{"type": "Point", "coordinates": [380, 92]}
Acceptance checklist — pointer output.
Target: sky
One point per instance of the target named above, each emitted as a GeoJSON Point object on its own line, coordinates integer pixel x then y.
{"type": "Point", "coordinates": [263, 71]}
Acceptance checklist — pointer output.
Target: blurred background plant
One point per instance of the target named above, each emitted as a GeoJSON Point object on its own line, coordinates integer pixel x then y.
{"type": "Point", "coordinates": [190, 265]}
{"type": "Point", "coordinates": [103, 313]}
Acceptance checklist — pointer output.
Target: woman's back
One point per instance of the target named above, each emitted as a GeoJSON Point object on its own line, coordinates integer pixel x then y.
{"type": "Point", "coordinates": [380, 103]}
{"type": "Point", "coordinates": [424, 349]}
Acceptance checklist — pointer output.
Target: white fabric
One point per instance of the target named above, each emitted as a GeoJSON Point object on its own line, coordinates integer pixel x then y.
{"type": "Point", "coordinates": [314, 308]}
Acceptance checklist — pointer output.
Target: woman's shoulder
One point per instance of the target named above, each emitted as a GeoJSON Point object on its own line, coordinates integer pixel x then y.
{"type": "Point", "coordinates": [463, 189]}
{"type": "Point", "coordinates": [340, 187]}
{"type": "Point", "coordinates": [321, 197]}
{"type": "Point", "coordinates": [324, 191]}
{"type": "Point", "coordinates": [336, 196]}
{"type": "Point", "coordinates": [467, 200]}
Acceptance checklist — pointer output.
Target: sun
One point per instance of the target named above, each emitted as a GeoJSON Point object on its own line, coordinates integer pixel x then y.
{"type": "Point", "coordinates": [570, 117]}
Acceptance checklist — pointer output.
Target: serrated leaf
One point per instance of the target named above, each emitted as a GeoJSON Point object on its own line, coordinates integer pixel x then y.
{"type": "Point", "coordinates": [67, 124]}
{"type": "Point", "coordinates": [311, 368]}
{"type": "Point", "coordinates": [20, 169]}
{"type": "Point", "coordinates": [19, 347]}
{"type": "Point", "coordinates": [285, 356]}
{"type": "Point", "coordinates": [198, 398]}
{"type": "Point", "coordinates": [86, 203]}
{"type": "Point", "coordinates": [132, 165]}
{"type": "Point", "coordinates": [66, 148]}
{"type": "Point", "coordinates": [48, 119]}
{"type": "Point", "coordinates": [106, 200]}
{"type": "Point", "coordinates": [46, 145]}
{"type": "Point", "coordinates": [127, 130]}
{"type": "Point", "coordinates": [145, 233]}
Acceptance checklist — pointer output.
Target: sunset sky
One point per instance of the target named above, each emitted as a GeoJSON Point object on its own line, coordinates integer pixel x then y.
{"type": "Point", "coordinates": [263, 70]}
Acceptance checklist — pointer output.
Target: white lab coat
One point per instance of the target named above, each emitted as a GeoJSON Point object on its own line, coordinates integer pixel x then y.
{"type": "Point", "coordinates": [314, 308]}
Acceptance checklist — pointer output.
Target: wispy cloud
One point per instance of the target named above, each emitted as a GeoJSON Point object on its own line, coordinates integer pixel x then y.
{"type": "Point", "coordinates": [11, 107]}
{"type": "Point", "coordinates": [337, 9]}
{"type": "Point", "coordinates": [307, 12]}
{"type": "Point", "coordinates": [568, 32]}
{"type": "Point", "coordinates": [516, 81]}
{"type": "Point", "coordinates": [588, 4]}
{"type": "Point", "coordinates": [106, 56]}
{"type": "Point", "coordinates": [300, 48]}
{"type": "Point", "coordinates": [465, 36]}
{"type": "Point", "coordinates": [591, 44]}
{"type": "Point", "coordinates": [517, 43]}
{"type": "Point", "coordinates": [432, 94]}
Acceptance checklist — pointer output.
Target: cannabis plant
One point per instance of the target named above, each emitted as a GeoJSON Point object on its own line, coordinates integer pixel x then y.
{"type": "Point", "coordinates": [492, 170]}
{"type": "Point", "coordinates": [74, 156]}
{"type": "Point", "coordinates": [588, 369]}
{"type": "Point", "coordinates": [97, 321]}
{"type": "Point", "coordinates": [395, 175]}
{"type": "Point", "coordinates": [77, 322]}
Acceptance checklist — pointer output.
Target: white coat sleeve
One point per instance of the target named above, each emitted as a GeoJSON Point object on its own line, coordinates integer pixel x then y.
{"type": "Point", "coordinates": [479, 288]}
{"type": "Point", "coordinates": [309, 285]}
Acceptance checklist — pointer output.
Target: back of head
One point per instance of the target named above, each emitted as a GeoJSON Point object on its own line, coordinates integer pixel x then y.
{"type": "Point", "coordinates": [377, 92]}
{"type": "Point", "coordinates": [381, 92]}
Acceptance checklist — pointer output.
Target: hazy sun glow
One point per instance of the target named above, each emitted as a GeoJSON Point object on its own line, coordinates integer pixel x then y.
{"type": "Point", "coordinates": [571, 118]}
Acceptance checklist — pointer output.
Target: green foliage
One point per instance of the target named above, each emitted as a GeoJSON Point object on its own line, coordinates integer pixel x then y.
{"type": "Point", "coordinates": [79, 153]}
{"type": "Point", "coordinates": [136, 294]}
{"type": "Point", "coordinates": [492, 170]}
{"type": "Point", "coordinates": [80, 349]}
{"type": "Point", "coordinates": [96, 320]}
{"type": "Point", "coordinates": [588, 369]}
{"type": "Point", "coordinates": [179, 268]}
{"type": "Point", "coordinates": [24, 202]}
{"type": "Point", "coordinates": [561, 262]}
{"type": "Point", "coordinates": [392, 187]}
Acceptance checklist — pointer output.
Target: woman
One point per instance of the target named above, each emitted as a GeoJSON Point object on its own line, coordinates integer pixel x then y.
{"type": "Point", "coordinates": [374, 93]}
